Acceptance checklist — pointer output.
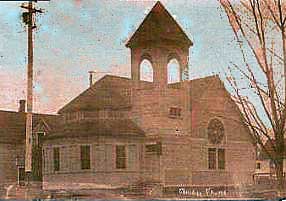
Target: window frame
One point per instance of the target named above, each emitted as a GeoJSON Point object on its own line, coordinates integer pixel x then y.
{"type": "Point", "coordinates": [219, 163]}
{"type": "Point", "coordinates": [147, 59]}
{"type": "Point", "coordinates": [88, 159]}
{"type": "Point", "coordinates": [124, 157]}
{"type": "Point", "coordinates": [21, 177]}
{"type": "Point", "coordinates": [175, 112]}
{"type": "Point", "coordinates": [56, 162]}
{"type": "Point", "coordinates": [153, 148]}
{"type": "Point", "coordinates": [213, 159]}
{"type": "Point", "coordinates": [173, 57]}
{"type": "Point", "coordinates": [43, 160]}
{"type": "Point", "coordinates": [258, 166]}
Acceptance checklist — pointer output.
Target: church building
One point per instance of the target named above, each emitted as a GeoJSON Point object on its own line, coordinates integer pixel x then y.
{"type": "Point", "coordinates": [124, 131]}
{"type": "Point", "coordinates": [121, 131]}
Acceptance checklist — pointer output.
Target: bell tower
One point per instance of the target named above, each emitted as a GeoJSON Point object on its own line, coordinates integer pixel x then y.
{"type": "Point", "coordinates": [159, 39]}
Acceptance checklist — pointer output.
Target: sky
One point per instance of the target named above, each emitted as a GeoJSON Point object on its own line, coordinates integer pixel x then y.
{"type": "Point", "coordinates": [76, 36]}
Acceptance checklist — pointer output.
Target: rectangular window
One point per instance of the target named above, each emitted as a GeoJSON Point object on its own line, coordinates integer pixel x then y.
{"type": "Point", "coordinates": [154, 148]}
{"type": "Point", "coordinates": [43, 159]}
{"type": "Point", "coordinates": [40, 138]}
{"type": "Point", "coordinates": [258, 166]}
{"type": "Point", "coordinates": [21, 176]}
{"type": "Point", "coordinates": [120, 157]}
{"type": "Point", "coordinates": [212, 158]}
{"type": "Point", "coordinates": [174, 111]}
{"type": "Point", "coordinates": [126, 92]}
{"type": "Point", "coordinates": [85, 156]}
{"type": "Point", "coordinates": [221, 159]}
{"type": "Point", "coordinates": [151, 148]}
{"type": "Point", "coordinates": [56, 151]}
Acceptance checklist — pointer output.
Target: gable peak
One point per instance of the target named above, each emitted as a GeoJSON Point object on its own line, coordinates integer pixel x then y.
{"type": "Point", "coordinates": [159, 25]}
{"type": "Point", "coordinates": [158, 6]}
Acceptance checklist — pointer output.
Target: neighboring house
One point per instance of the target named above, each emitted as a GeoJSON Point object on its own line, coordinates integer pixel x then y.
{"type": "Point", "coordinates": [123, 131]}
{"type": "Point", "coordinates": [12, 146]}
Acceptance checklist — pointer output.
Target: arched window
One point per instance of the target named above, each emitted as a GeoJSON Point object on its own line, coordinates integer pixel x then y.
{"type": "Point", "coordinates": [173, 68]}
{"type": "Point", "coordinates": [146, 71]}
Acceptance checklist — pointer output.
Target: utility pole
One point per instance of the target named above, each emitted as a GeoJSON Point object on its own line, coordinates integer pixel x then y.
{"type": "Point", "coordinates": [29, 20]}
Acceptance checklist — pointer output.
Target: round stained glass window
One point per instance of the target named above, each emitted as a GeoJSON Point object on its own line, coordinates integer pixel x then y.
{"type": "Point", "coordinates": [215, 131]}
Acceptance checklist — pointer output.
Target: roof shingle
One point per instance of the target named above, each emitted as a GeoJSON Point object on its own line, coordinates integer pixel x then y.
{"type": "Point", "coordinates": [101, 127]}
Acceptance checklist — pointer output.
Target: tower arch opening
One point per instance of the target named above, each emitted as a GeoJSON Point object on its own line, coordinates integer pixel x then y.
{"type": "Point", "coordinates": [146, 70]}
{"type": "Point", "coordinates": [173, 70]}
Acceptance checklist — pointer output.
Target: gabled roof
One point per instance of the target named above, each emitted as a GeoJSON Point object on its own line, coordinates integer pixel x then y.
{"type": "Point", "coordinates": [13, 125]}
{"type": "Point", "coordinates": [46, 123]}
{"type": "Point", "coordinates": [158, 26]}
{"type": "Point", "coordinates": [99, 127]}
{"type": "Point", "coordinates": [106, 93]}
{"type": "Point", "coordinates": [95, 97]}
{"type": "Point", "coordinates": [200, 86]}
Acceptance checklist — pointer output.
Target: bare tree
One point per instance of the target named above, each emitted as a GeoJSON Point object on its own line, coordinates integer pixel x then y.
{"type": "Point", "coordinates": [259, 29]}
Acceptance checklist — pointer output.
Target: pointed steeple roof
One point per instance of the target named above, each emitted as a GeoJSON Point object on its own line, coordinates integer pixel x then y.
{"type": "Point", "coordinates": [159, 25]}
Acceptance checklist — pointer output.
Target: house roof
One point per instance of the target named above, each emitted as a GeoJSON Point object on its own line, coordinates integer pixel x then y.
{"type": "Point", "coordinates": [107, 93]}
{"type": "Point", "coordinates": [93, 99]}
{"type": "Point", "coordinates": [100, 127]}
{"type": "Point", "coordinates": [158, 26]}
{"type": "Point", "coordinates": [200, 86]}
{"type": "Point", "coordinates": [13, 125]}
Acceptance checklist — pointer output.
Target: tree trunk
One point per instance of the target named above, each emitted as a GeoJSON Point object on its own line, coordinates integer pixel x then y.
{"type": "Point", "coordinates": [280, 176]}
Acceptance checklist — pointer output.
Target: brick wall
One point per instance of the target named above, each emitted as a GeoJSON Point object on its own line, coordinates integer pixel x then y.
{"type": "Point", "coordinates": [215, 102]}
{"type": "Point", "coordinates": [185, 141]}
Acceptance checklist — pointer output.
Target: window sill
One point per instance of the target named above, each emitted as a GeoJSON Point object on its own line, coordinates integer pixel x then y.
{"type": "Point", "coordinates": [72, 171]}
{"type": "Point", "coordinates": [216, 170]}
{"type": "Point", "coordinates": [86, 170]}
{"type": "Point", "coordinates": [120, 169]}
{"type": "Point", "coordinates": [175, 117]}
{"type": "Point", "coordinates": [93, 171]}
